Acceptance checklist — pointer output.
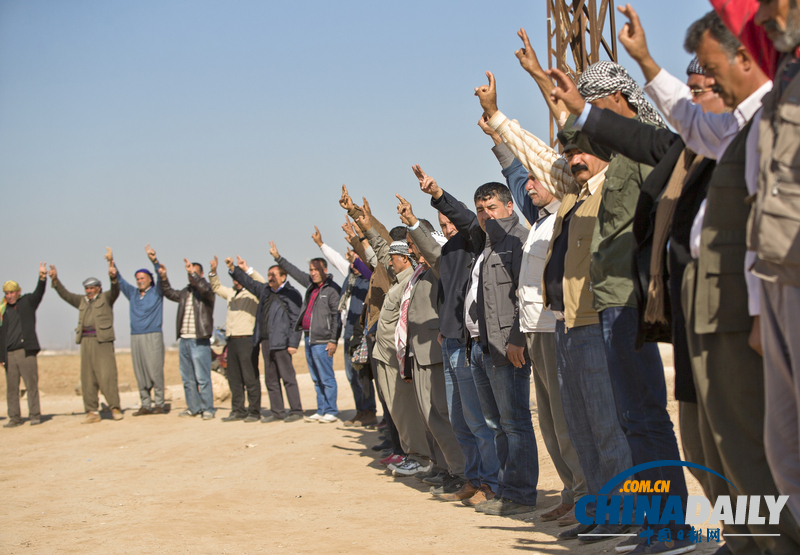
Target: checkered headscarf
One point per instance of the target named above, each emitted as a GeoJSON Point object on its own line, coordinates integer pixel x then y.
{"type": "Point", "coordinates": [605, 78]}
{"type": "Point", "coordinates": [694, 68]}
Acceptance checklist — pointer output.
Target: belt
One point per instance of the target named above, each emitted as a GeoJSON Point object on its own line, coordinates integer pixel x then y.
{"type": "Point", "coordinates": [241, 336]}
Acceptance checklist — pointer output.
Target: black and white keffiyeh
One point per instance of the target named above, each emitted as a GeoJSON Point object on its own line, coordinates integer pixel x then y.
{"type": "Point", "coordinates": [604, 78]}
{"type": "Point", "coordinates": [694, 68]}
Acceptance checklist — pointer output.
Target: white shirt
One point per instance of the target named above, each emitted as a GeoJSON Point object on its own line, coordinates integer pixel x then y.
{"type": "Point", "coordinates": [471, 297]}
{"type": "Point", "coordinates": [533, 316]}
{"type": "Point", "coordinates": [710, 135]}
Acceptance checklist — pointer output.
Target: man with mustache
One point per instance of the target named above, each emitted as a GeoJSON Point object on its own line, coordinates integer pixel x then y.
{"type": "Point", "coordinates": [586, 391]}
{"type": "Point", "coordinates": [721, 302]}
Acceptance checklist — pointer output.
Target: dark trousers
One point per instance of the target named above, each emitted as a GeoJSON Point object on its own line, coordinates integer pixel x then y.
{"type": "Point", "coordinates": [22, 364]}
{"type": "Point", "coordinates": [278, 366]}
{"type": "Point", "coordinates": [242, 374]}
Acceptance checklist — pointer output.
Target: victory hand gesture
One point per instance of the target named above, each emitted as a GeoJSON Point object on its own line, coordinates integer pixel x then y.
{"type": "Point", "coordinates": [487, 94]}
{"type": "Point", "coordinates": [189, 266]}
{"type": "Point", "coordinates": [406, 214]}
{"type": "Point", "coordinates": [42, 271]}
{"type": "Point", "coordinates": [317, 236]}
{"type": "Point", "coordinates": [151, 254]}
{"type": "Point", "coordinates": [273, 250]}
{"type": "Point", "coordinates": [346, 202]}
{"type": "Point", "coordinates": [241, 263]}
{"type": "Point", "coordinates": [52, 273]}
{"type": "Point", "coordinates": [426, 183]}
{"type": "Point", "coordinates": [213, 264]}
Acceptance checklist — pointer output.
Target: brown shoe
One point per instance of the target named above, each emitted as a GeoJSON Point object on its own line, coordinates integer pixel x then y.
{"type": "Point", "coordinates": [158, 410]}
{"type": "Point", "coordinates": [485, 493]}
{"type": "Point", "coordinates": [355, 421]}
{"type": "Point", "coordinates": [116, 414]}
{"type": "Point", "coordinates": [568, 519]}
{"type": "Point", "coordinates": [466, 491]}
{"type": "Point", "coordinates": [369, 418]}
{"type": "Point", "coordinates": [556, 513]}
{"type": "Point", "coordinates": [143, 411]}
{"type": "Point", "coordinates": [91, 417]}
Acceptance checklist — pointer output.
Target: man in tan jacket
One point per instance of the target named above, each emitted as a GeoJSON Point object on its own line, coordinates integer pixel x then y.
{"type": "Point", "coordinates": [242, 370]}
{"type": "Point", "coordinates": [95, 335]}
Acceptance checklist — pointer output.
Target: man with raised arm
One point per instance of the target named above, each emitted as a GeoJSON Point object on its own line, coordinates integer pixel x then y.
{"type": "Point", "coordinates": [242, 369]}
{"type": "Point", "coordinates": [95, 335]}
{"type": "Point", "coordinates": [500, 363]}
{"type": "Point", "coordinates": [351, 303]}
{"type": "Point", "coordinates": [147, 340]}
{"type": "Point", "coordinates": [278, 309]}
{"type": "Point", "coordinates": [321, 326]}
{"type": "Point", "coordinates": [19, 346]}
{"type": "Point", "coordinates": [195, 324]}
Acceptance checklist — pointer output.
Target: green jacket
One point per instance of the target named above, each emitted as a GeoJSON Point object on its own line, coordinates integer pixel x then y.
{"type": "Point", "coordinates": [612, 244]}
{"type": "Point", "coordinates": [102, 309]}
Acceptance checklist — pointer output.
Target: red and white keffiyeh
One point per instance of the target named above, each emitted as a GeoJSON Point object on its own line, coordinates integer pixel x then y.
{"type": "Point", "coordinates": [401, 331]}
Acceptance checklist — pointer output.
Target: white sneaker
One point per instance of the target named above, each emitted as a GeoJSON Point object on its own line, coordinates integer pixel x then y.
{"type": "Point", "coordinates": [313, 418]}
{"type": "Point", "coordinates": [409, 468]}
{"type": "Point", "coordinates": [328, 419]}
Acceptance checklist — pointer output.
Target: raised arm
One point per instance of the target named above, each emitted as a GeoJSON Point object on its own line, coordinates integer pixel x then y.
{"type": "Point", "coordinates": [300, 276]}
{"type": "Point", "coordinates": [224, 292]}
{"type": "Point", "coordinates": [168, 291]}
{"type": "Point", "coordinates": [37, 294]}
{"type": "Point", "coordinates": [530, 63]}
{"type": "Point", "coordinates": [248, 282]}
{"type": "Point", "coordinates": [127, 289]}
{"type": "Point", "coordinates": [430, 249]}
{"type": "Point", "coordinates": [71, 298]}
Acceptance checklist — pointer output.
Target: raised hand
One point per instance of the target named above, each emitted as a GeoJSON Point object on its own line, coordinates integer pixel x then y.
{"type": "Point", "coordinates": [213, 264]}
{"type": "Point", "coordinates": [229, 263]}
{"type": "Point", "coordinates": [241, 263]}
{"type": "Point", "coordinates": [112, 270]}
{"type": "Point", "coordinates": [349, 230]}
{"type": "Point", "coordinates": [189, 266]}
{"type": "Point", "coordinates": [151, 254]}
{"type": "Point", "coordinates": [162, 271]}
{"type": "Point", "coordinates": [52, 273]}
{"type": "Point", "coordinates": [566, 91]}
{"type": "Point", "coordinates": [317, 236]}
{"type": "Point", "coordinates": [427, 184]}
{"type": "Point", "coordinates": [350, 256]}
{"type": "Point", "coordinates": [633, 39]}
{"type": "Point", "coordinates": [364, 220]}
{"type": "Point", "coordinates": [346, 202]}
{"type": "Point", "coordinates": [42, 271]}
{"type": "Point", "coordinates": [273, 250]}
{"type": "Point", "coordinates": [482, 123]}
{"type": "Point", "coordinates": [406, 214]}
{"type": "Point", "coordinates": [526, 55]}
{"type": "Point", "coordinates": [109, 255]}
{"type": "Point", "coordinates": [487, 94]}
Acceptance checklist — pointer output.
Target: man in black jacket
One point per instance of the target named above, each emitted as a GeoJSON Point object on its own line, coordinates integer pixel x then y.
{"type": "Point", "coordinates": [195, 324]}
{"type": "Point", "coordinates": [321, 325]}
{"type": "Point", "coordinates": [19, 346]}
{"type": "Point", "coordinates": [278, 309]}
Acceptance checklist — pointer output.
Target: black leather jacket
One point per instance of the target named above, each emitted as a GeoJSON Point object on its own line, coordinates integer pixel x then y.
{"type": "Point", "coordinates": [203, 299]}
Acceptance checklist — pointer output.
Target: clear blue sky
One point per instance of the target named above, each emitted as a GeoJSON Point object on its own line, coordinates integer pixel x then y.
{"type": "Point", "coordinates": [212, 127]}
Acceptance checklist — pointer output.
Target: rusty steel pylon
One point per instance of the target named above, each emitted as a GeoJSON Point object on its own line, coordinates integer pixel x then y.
{"type": "Point", "coordinates": [578, 31]}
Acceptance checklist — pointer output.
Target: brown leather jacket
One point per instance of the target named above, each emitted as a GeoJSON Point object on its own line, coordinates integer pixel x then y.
{"type": "Point", "coordinates": [203, 299]}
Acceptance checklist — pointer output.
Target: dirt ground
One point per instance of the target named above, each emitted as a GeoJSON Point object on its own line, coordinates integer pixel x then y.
{"type": "Point", "coordinates": [163, 484]}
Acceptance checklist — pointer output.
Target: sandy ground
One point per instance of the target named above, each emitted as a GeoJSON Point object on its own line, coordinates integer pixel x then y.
{"type": "Point", "coordinates": [163, 484]}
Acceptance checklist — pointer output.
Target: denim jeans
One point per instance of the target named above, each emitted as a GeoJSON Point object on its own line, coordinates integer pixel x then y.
{"type": "Point", "coordinates": [320, 366]}
{"type": "Point", "coordinates": [466, 416]}
{"type": "Point", "coordinates": [641, 399]}
{"type": "Point", "coordinates": [588, 401]}
{"type": "Point", "coordinates": [195, 367]}
{"type": "Point", "coordinates": [510, 418]}
{"type": "Point", "coordinates": [365, 401]}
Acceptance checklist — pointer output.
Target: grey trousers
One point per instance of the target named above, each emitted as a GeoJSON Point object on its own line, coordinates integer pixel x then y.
{"type": "Point", "coordinates": [278, 367]}
{"type": "Point", "coordinates": [780, 322]}
{"type": "Point", "coordinates": [98, 373]}
{"type": "Point", "coordinates": [147, 353]}
{"type": "Point", "coordinates": [729, 379]}
{"type": "Point", "coordinates": [22, 364]}
{"type": "Point", "coordinates": [542, 350]}
{"type": "Point", "coordinates": [431, 395]}
{"type": "Point", "coordinates": [402, 403]}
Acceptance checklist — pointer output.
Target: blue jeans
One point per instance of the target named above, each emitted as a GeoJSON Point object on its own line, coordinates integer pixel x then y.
{"type": "Point", "coordinates": [466, 416]}
{"type": "Point", "coordinates": [511, 421]}
{"type": "Point", "coordinates": [195, 366]}
{"type": "Point", "coordinates": [365, 401]}
{"type": "Point", "coordinates": [641, 399]}
{"type": "Point", "coordinates": [588, 401]}
{"type": "Point", "coordinates": [320, 366]}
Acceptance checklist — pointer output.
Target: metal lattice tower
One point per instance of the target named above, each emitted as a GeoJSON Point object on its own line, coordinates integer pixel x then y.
{"type": "Point", "coordinates": [578, 31]}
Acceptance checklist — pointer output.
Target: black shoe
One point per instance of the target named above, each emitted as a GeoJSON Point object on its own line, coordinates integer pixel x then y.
{"type": "Point", "coordinates": [450, 484]}
{"type": "Point", "coordinates": [385, 445]}
{"type": "Point", "coordinates": [270, 418]}
{"type": "Point", "coordinates": [573, 533]}
{"type": "Point", "coordinates": [605, 532]}
{"type": "Point", "coordinates": [12, 424]}
{"type": "Point", "coordinates": [292, 418]}
{"type": "Point", "coordinates": [233, 417]}
{"type": "Point", "coordinates": [251, 418]}
{"type": "Point", "coordinates": [422, 475]}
